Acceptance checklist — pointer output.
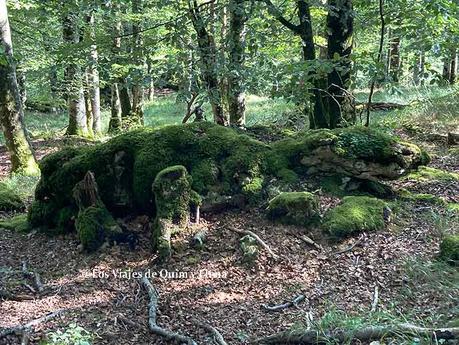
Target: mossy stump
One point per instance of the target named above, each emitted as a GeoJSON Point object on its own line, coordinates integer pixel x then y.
{"type": "Point", "coordinates": [356, 214]}
{"type": "Point", "coordinates": [174, 199]}
{"type": "Point", "coordinates": [297, 208]}
{"type": "Point", "coordinates": [94, 223]}
{"type": "Point", "coordinates": [449, 249]}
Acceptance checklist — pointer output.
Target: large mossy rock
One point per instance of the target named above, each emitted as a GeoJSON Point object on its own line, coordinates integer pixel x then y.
{"type": "Point", "coordinates": [221, 160]}
{"type": "Point", "coordinates": [297, 208]}
{"type": "Point", "coordinates": [9, 199]}
{"type": "Point", "coordinates": [449, 249]}
{"type": "Point", "coordinates": [174, 200]}
{"type": "Point", "coordinates": [355, 214]}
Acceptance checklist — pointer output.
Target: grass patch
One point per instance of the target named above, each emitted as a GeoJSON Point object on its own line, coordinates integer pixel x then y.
{"type": "Point", "coordinates": [16, 223]}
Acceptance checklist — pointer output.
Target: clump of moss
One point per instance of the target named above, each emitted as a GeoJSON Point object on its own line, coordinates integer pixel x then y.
{"type": "Point", "coordinates": [353, 215]}
{"type": "Point", "coordinates": [17, 223]}
{"type": "Point", "coordinates": [297, 208]}
{"type": "Point", "coordinates": [453, 207]}
{"type": "Point", "coordinates": [425, 174]}
{"type": "Point", "coordinates": [249, 247]}
{"type": "Point", "coordinates": [173, 200]}
{"type": "Point", "coordinates": [9, 199]}
{"type": "Point", "coordinates": [94, 224]}
{"type": "Point", "coordinates": [449, 249]}
{"type": "Point", "coordinates": [205, 174]}
{"type": "Point", "coordinates": [422, 197]}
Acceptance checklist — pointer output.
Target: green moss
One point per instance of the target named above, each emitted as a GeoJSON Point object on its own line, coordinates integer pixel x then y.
{"type": "Point", "coordinates": [249, 249]}
{"type": "Point", "coordinates": [10, 200]}
{"type": "Point", "coordinates": [298, 208]}
{"type": "Point", "coordinates": [287, 176]}
{"type": "Point", "coordinates": [454, 151]}
{"type": "Point", "coordinates": [422, 197]}
{"type": "Point", "coordinates": [94, 224]}
{"type": "Point", "coordinates": [449, 249]}
{"type": "Point", "coordinates": [353, 215]}
{"type": "Point", "coordinates": [424, 174]}
{"type": "Point", "coordinates": [17, 223]}
{"type": "Point", "coordinates": [252, 188]}
{"type": "Point", "coordinates": [205, 174]}
{"type": "Point", "coordinates": [453, 207]}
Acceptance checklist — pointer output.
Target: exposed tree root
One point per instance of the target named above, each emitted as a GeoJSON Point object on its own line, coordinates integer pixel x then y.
{"type": "Point", "coordinates": [293, 303]}
{"type": "Point", "coordinates": [257, 238]}
{"type": "Point", "coordinates": [34, 276]}
{"type": "Point", "coordinates": [352, 246]}
{"type": "Point", "coordinates": [213, 331]}
{"type": "Point", "coordinates": [175, 338]}
{"type": "Point", "coordinates": [27, 329]}
{"type": "Point", "coordinates": [364, 335]}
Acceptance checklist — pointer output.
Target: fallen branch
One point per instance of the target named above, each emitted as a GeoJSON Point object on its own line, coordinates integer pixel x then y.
{"type": "Point", "coordinates": [34, 276]}
{"type": "Point", "coordinates": [152, 308]}
{"type": "Point", "coordinates": [374, 305]}
{"type": "Point", "coordinates": [257, 238]}
{"type": "Point", "coordinates": [293, 303]}
{"type": "Point", "coordinates": [11, 297]}
{"type": "Point", "coordinates": [307, 240]}
{"type": "Point", "coordinates": [28, 327]}
{"type": "Point", "coordinates": [366, 334]}
{"type": "Point", "coordinates": [213, 331]}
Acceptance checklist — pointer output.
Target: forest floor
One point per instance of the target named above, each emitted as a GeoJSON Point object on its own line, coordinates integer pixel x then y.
{"type": "Point", "coordinates": [338, 279]}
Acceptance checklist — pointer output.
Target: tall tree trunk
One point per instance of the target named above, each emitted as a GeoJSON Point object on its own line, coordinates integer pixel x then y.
{"type": "Point", "coordinates": [340, 27]}
{"type": "Point", "coordinates": [416, 68]}
{"type": "Point", "coordinates": [236, 95]}
{"type": "Point", "coordinates": [11, 110]}
{"type": "Point", "coordinates": [114, 124]}
{"type": "Point", "coordinates": [422, 66]}
{"type": "Point", "coordinates": [208, 52]}
{"type": "Point", "coordinates": [453, 67]}
{"type": "Point", "coordinates": [394, 59]}
{"type": "Point", "coordinates": [74, 79]}
{"type": "Point", "coordinates": [151, 83]}
{"type": "Point", "coordinates": [138, 57]}
{"type": "Point", "coordinates": [318, 117]}
{"type": "Point", "coordinates": [93, 79]}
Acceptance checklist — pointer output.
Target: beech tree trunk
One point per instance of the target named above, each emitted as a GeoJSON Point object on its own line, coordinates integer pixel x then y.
{"type": "Point", "coordinates": [394, 59]}
{"type": "Point", "coordinates": [74, 79]}
{"type": "Point", "coordinates": [340, 27]}
{"type": "Point", "coordinates": [453, 68]}
{"type": "Point", "coordinates": [114, 124]}
{"type": "Point", "coordinates": [93, 80]}
{"type": "Point", "coordinates": [137, 77]}
{"type": "Point", "coordinates": [11, 109]}
{"type": "Point", "coordinates": [208, 52]}
{"type": "Point", "coordinates": [236, 90]}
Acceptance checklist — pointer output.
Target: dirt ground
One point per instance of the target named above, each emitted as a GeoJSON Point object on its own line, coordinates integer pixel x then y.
{"type": "Point", "coordinates": [99, 292]}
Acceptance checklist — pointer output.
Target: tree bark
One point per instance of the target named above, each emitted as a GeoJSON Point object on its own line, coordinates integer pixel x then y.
{"type": "Point", "coordinates": [394, 59]}
{"type": "Point", "coordinates": [208, 52]}
{"type": "Point", "coordinates": [93, 79]}
{"type": "Point", "coordinates": [453, 67]}
{"type": "Point", "coordinates": [11, 109]}
{"type": "Point", "coordinates": [236, 90]}
{"type": "Point", "coordinates": [74, 79]}
{"type": "Point", "coordinates": [340, 25]}
{"type": "Point", "coordinates": [114, 124]}
{"type": "Point", "coordinates": [138, 57]}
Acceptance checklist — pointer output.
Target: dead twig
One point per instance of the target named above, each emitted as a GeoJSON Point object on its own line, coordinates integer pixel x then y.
{"type": "Point", "coordinates": [257, 238]}
{"type": "Point", "coordinates": [293, 303]}
{"type": "Point", "coordinates": [308, 240]}
{"type": "Point", "coordinates": [152, 311]}
{"type": "Point", "coordinates": [348, 249]}
{"type": "Point", "coordinates": [213, 331]}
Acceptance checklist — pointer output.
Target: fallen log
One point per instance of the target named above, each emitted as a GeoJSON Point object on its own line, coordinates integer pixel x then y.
{"type": "Point", "coordinates": [175, 338]}
{"type": "Point", "coordinates": [366, 334]}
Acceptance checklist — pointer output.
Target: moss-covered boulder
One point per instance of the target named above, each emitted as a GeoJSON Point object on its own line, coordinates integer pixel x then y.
{"type": "Point", "coordinates": [449, 249]}
{"type": "Point", "coordinates": [9, 199]}
{"type": "Point", "coordinates": [221, 160]}
{"type": "Point", "coordinates": [174, 200]}
{"type": "Point", "coordinates": [16, 223]}
{"type": "Point", "coordinates": [297, 208]}
{"type": "Point", "coordinates": [355, 214]}
{"type": "Point", "coordinates": [94, 225]}
{"type": "Point", "coordinates": [426, 174]}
